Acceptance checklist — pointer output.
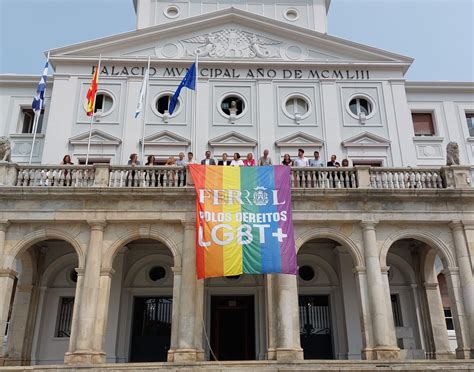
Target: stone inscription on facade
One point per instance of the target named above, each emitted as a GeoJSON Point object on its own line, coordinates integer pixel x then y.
{"type": "Point", "coordinates": [232, 73]}
{"type": "Point", "coordinates": [231, 43]}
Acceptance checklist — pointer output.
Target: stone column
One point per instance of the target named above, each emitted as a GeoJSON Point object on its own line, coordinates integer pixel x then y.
{"type": "Point", "coordinates": [288, 344]}
{"type": "Point", "coordinates": [461, 325]}
{"type": "Point", "coordinates": [186, 350]}
{"type": "Point", "coordinates": [175, 312]}
{"type": "Point", "coordinates": [391, 330]}
{"type": "Point", "coordinates": [437, 322]}
{"type": "Point", "coordinates": [466, 279]}
{"type": "Point", "coordinates": [84, 331]}
{"type": "Point", "coordinates": [383, 348]}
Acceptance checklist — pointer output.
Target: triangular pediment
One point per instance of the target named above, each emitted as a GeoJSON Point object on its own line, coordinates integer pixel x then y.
{"type": "Point", "coordinates": [230, 34]}
{"type": "Point", "coordinates": [98, 137]}
{"type": "Point", "coordinates": [366, 139]}
{"type": "Point", "coordinates": [299, 139]}
{"type": "Point", "coordinates": [233, 139]}
{"type": "Point", "coordinates": [166, 138]}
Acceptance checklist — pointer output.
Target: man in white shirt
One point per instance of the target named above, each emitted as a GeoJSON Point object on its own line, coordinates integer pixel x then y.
{"type": "Point", "coordinates": [190, 159]}
{"type": "Point", "coordinates": [316, 162]}
{"type": "Point", "coordinates": [301, 161]}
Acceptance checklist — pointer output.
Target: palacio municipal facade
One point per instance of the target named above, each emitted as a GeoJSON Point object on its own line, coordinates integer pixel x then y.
{"type": "Point", "coordinates": [98, 270]}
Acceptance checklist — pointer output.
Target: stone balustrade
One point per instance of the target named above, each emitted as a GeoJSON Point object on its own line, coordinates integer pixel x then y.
{"type": "Point", "coordinates": [360, 177]}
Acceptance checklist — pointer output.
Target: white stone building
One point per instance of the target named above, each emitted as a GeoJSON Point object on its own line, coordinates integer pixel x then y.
{"type": "Point", "coordinates": [94, 271]}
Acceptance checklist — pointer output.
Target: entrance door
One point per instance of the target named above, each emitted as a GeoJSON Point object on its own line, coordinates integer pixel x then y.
{"type": "Point", "coordinates": [151, 329]}
{"type": "Point", "coordinates": [315, 327]}
{"type": "Point", "coordinates": [233, 328]}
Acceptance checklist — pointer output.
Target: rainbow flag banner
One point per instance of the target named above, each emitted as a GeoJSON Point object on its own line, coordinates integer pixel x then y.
{"type": "Point", "coordinates": [243, 220]}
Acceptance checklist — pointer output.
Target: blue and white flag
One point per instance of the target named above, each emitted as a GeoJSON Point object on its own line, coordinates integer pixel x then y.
{"type": "Point", "coordinates": [38, 100]}
{"type": "Point", "coordinates": [142, 95]}
{"type": "Point", "coordinates": [189, 82]}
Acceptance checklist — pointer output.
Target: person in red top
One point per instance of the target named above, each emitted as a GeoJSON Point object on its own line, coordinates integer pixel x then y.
{"type": "Point", "coordinates": [250, 161]}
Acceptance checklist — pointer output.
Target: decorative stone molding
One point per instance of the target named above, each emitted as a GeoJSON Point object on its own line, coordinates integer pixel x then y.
{"type": "Point", "coordinates": [8, 273]}
{"type": "Point", "coordinates": [4, 225]}
{"type": "Point", "coordinates": [368, 225]}
{"type": "Point", "coordinates": [79, 271]}
{"type": "Point", "coordinates": [456, 225]}
{"type": "Point", "coordinates": [97, 225]}
{"type": "Point", "coordinates": [231, 43]}
{"type": "Point", "coordinates": [107, 271]}
{"type": "Point", "coordinates": [189, 225]}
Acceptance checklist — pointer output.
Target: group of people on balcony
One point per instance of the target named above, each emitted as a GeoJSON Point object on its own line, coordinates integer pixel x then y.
{"type": "Point", "coordinates": [236, 161]}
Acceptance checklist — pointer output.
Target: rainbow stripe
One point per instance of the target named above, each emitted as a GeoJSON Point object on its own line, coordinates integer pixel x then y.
{"type": "Point", "coordinates": [243, 220]}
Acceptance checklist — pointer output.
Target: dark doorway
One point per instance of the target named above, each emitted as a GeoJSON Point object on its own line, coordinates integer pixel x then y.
{"type": "Point", "coordinates": [151, 329]}
{"type": "Point", "coordinates": [233, 327]}
{"type": "Point", "coordinates": [315, 327]}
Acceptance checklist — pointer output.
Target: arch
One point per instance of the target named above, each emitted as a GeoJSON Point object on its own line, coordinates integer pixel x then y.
{"type": "Point", "coordinates": [136, 234]}
{"type": "Point", "coordinates": [42, 235]}
{"type": "Point", "coordinates": [55, 267]}
{"type": "Point", "coordinates": [323, 265]}
{"type": "Point", "coordinates": [423, 236]}
{"type": "Point", "coordinates": [135, 268]}
{"type": "Point", "coordinates": [342, 239]}
{"type": "Point", "coordinates": [404, 267]}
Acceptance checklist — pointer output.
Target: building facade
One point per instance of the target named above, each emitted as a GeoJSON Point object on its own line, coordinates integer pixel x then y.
{"type": "Point", "coordinates": [98, 263]}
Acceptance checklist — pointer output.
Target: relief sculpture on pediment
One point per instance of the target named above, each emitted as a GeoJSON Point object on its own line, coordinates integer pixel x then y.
{"type": "Point", "coordinates": [232, 43]}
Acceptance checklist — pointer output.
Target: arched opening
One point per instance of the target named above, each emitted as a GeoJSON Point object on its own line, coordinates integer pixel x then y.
{"type": "Point", "coordinates": [329, 308]}
{"type": "Point", "coordinates": [141, 318]}
{"type": "Point", "coordinates": [235, 319]}
{"type": "Point", "coordinates": [39, 324]}
{"type": "Point", "coordinates": [420, 304]}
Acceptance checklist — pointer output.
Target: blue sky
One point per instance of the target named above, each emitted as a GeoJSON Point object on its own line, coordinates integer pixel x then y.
{"type": "Point", "coordinates": [439, 34]}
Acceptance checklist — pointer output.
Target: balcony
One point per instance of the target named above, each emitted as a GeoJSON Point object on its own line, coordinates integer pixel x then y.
{"type": "Point", "coordinates": [107, 176]}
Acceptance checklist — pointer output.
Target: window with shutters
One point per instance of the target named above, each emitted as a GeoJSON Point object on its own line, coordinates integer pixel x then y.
{"type": "Point", "coordinates": [470, 123]}
{"type": "Point", "coordinates": [423, 123]}
{"type": "Point", "coordinates": [64, 320]}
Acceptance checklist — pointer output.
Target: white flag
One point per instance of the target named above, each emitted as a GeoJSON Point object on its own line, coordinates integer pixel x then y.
{"type": "Point", "coordinates": [143, 89]}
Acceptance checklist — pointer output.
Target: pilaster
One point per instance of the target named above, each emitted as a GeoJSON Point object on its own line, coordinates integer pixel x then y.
{"type": "Point", "coordinates": [7, 279]}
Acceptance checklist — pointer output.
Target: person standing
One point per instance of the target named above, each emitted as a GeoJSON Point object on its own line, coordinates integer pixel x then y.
{"type": "Point", "coordinates": [236, 162]}
{"type": "Point", "coordinates": [265, 160]}
{"type": "Point", "coordinates": [316, 162]}
{"type": "Point", "coordinates": [333, 162]}
{"type": "Point", "coordinates": [181, 162]}
{"type": "Point", "coordinates": [287, 160]}
{"type": "Point", "coordinates": [208, 160]}
{"type": "Point", "coordinates": [250, 161]}
{"type": "Point", "coordinates": [301, 161]}
{"type": "Point", "coordinates": [224, 160]}
{"type": "Point", "coordinates": [190, 159]}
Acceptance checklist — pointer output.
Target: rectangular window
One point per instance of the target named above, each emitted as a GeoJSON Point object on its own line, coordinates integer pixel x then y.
{"type": "Point", "coordinates": [423, 124]}
{"type": "Point", "coordinates": [63, 324]}
{"type": "Point", "coordinates": [448, 316]}
{"type": "Point", "coordinates": [397, 311]}
{"type": "Point", "coordinates": [470, 124]}
{"type": "Point", "coordinates": [93, 161]}
{"type": "Point", "coordinates": [27, 121]}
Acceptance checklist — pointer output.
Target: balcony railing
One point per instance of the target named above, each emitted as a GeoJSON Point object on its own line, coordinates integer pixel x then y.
{"type": "Point", "coordinates": [359, 177]}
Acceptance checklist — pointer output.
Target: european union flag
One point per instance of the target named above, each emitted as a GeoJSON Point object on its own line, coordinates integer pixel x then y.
{"type": "Point", "coordinates": [189, 82]}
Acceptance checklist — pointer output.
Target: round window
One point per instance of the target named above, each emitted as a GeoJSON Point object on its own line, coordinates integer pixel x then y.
{"type": "Point", "coordinates": [306, 273]}
{"type": "Point", "coordinates": [292, 15]}
{"type": "Point", "coordinates": [172, 11]}
{"type": "Point", "coordinates": [104, 103]}
{"type": "Point", "coordinates": [73, 275]}
{"type": "Point", "coordinates": [233, 105]}
{"type": "Point", "coordinates": [360, 105]}
{"type": "Point", "coordinates": [296, 107]}
{"type": "Point", "coordinates": [156, 273]}
{"type": "Point", "coordinates": [162, 104]}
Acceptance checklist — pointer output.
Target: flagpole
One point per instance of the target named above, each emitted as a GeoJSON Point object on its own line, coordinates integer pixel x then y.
{"type": "Point", "coordinates": [36, 119]}
{"type": "Point", "coordinates": [147, 75]}
{"type": "Point", "coordinates": [92, 116]}
{"type": "Point", "coordinates": [193, 146]}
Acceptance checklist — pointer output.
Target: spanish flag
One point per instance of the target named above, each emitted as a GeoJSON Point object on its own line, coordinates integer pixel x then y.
{"type": "Point", "coordinates": [92, 92]}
